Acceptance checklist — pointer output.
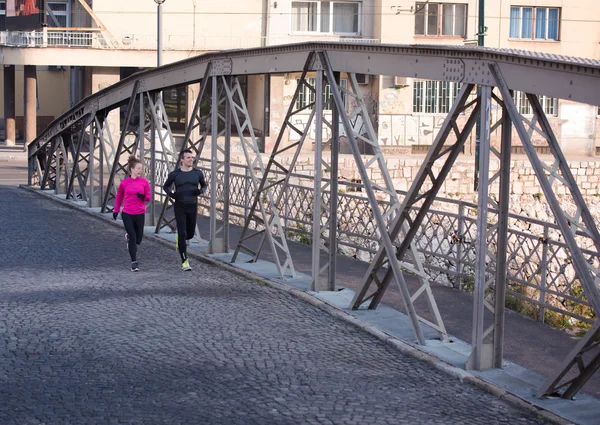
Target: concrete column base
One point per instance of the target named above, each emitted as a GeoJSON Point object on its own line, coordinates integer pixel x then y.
{"type": "Point", "coordinates": [30, 104]}
{"type": "Point", "coordinates": [10, 134]}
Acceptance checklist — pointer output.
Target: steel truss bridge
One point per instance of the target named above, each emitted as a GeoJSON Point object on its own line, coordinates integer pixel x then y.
{"type": "Point", "coordinates": [77, 153]}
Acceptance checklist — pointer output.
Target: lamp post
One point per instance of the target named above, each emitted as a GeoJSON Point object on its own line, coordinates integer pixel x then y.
{"type": "Point", "coordinates": [480, 42]}
{"type": "Point", "coordinates": [159, 32]}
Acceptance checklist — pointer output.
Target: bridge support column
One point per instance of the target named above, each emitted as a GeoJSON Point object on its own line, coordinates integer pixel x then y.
{"type": "Point", "coordinates": [325, 198]}
{"type": "Point", "coordinates": [491, 243]}
{"type": "Point", "coordinates": [9, 105]}
{"type": "Point", "coordinates": [30, 103]}
{"type": "Point", "coordinates": [219, 195]}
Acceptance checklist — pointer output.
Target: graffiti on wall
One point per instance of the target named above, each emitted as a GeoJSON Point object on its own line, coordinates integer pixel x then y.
{"type": "Point", "coordinates": [405, 130]}
{"type": "Point", "coordinates": [301, 121]}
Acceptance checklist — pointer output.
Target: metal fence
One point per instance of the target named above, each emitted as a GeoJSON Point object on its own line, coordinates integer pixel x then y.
{"type": "Point", "coordinates": [541, 279]}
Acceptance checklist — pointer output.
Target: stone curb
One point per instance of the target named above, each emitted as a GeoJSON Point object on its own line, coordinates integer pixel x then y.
{"type": "Point", "coordinates": [399, 345]}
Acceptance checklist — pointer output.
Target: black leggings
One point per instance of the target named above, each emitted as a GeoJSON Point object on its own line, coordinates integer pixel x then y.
{"type": "Point", "coordinates": [185, 215]}
{"type": "Point", "coordinates": [134, 226]}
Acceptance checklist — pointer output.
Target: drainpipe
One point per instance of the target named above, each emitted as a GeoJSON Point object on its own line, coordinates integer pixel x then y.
{"type": "Point", "coordinates": [194, 26]}
{"type": "Point", "coordinates": [264, 26]}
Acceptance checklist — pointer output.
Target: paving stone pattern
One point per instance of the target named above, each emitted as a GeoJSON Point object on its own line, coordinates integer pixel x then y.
{"type": "Point", "coordinates": [83, 340]}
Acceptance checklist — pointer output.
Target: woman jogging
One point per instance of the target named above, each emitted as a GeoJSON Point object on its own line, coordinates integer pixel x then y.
{"type": "Point", "coordinates": [133, 192]}
{"type": "Point", "coordinates": [186, 180]}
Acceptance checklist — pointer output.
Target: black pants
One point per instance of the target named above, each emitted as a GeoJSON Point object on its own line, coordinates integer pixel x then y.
{"type": "Point", "coordinates": [185, 216]}
{"type": "Point", "coordinates": [134, 226]}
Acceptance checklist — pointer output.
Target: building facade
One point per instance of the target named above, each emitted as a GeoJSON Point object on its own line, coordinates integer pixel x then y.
{"type": "Point", "coordinates": [407, 112]}
{"type": "Point", "coordinates": [410, 111]}
{"type": "Point", "coordinates": [87, 45]}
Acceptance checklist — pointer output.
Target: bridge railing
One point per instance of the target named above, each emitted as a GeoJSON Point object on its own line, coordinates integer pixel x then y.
{"type": "Point", "coordinates": [541, 279]}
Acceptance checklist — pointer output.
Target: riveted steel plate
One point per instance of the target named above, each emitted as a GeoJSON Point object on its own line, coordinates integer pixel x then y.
{"type": "Point", "coordinates": [316, 64]}
{"type": "Point", "coordinates": [478, 72]}
{"type": "Point", "coordinates": [220, 67]}
{"type": "Point", "coordinates": [453, 70]}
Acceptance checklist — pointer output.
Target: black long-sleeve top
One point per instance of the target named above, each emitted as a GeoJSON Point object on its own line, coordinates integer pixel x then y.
{"type": "Point", "coordinates": [186, 185]}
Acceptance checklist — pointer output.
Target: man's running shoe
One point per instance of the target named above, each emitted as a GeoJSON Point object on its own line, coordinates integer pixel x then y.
{"type": "Point", "coordinates": [176, 242]}
{"type": "Point", "coordinates": [186, 265]}
{"type": "Point", "coordinates": [127, 240]}
{"type": "Point", "coordinates": [134, 266]}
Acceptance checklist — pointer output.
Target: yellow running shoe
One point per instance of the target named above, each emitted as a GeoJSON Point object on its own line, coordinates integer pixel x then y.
{"type": "Point", "coordinates": [186, 265]}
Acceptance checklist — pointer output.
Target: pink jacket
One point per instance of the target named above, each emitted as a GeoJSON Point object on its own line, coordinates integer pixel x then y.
{"type": "Point", "coordinates": [127, 195]}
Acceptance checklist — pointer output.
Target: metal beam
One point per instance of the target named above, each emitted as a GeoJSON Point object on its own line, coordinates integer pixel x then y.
{"type": "Point", "coordinates": [162, 154]}
{"type": "Point", "coordinates": [566, 225]}
{"type": "Point", "coordinates": [269, 214]}
{"type": "Point", "coordinates": [110, 189]}
{"type": "Point", "coordinates": [502, 239]}
{"type": "Point", "coordinates": [219, 194]}
{"type": "Point", "coordinates": [529, 72]}
{"type": "Point", "coordinates": [195, 122]}
{"type": "Point", "coordinates": [587, 274]}
{"type": "Point", "coordinates": [333, 190]}
{"type": "Point", "coordinates": [386, 241]}
{"type": "Point", "coordinates": [317, 206]}
{"type": "Point", "coordinates": [576, 361]}
{"type": "Point", "coordinates": [96, 160]}
{"type": "Point", "coordinates": [425, 179]}
{"type": "Point", "coordinates": [251, 215]}
{"type": "Point", "coordinates": [50, 166]}
{"type": "Point", "coordinates": [481, 357]}
{"type": "Point", "coordinates": [79, 159]}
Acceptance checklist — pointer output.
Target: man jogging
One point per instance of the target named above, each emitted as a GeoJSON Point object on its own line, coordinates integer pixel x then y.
{"type": "Point", "coordinates": [186, 180]}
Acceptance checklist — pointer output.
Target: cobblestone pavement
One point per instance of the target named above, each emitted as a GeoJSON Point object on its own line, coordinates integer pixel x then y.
{"type": "Point", "coordinates": [85, 341]}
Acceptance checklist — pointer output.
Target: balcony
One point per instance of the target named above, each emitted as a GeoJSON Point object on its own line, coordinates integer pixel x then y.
{"type": "Point", "coordinates": [96, 39]}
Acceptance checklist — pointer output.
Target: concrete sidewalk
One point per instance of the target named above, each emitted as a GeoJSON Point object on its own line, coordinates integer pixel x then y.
{"type": "Point", "coordinates": [13, 165]}
{"type": "Point", "coordinates": [534, 347]}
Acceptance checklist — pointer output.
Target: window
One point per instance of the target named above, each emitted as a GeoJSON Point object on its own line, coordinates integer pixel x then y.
{"type": "Point", "coordinates": [307, 96]}
{"type": "Point", "coordinates": [441, 19]}
{"type": "Point", "coordinates": [175, 100]}
{"type": "Point", "coordinates": [534, 23]}
{"type": "Point", "coordinates": [331, 17]}
{"type": "Point", "coordinates": [2, 15]}
{"type": "Point", "coordinates": [434, 97]}
{"type": "Point", "coordinates": [549, 104]}
{"type": "Point", "coordinates": [59, 17]}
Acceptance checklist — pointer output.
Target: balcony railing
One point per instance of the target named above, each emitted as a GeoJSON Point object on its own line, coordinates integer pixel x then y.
{"type": "Point", "coordinates": [96, 39]}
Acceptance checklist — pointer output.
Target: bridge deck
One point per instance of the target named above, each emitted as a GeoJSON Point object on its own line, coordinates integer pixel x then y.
{"type": "Point", "coordinates": [532, 349]}
{"type": "Point", "coordinates": [84, 340]}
